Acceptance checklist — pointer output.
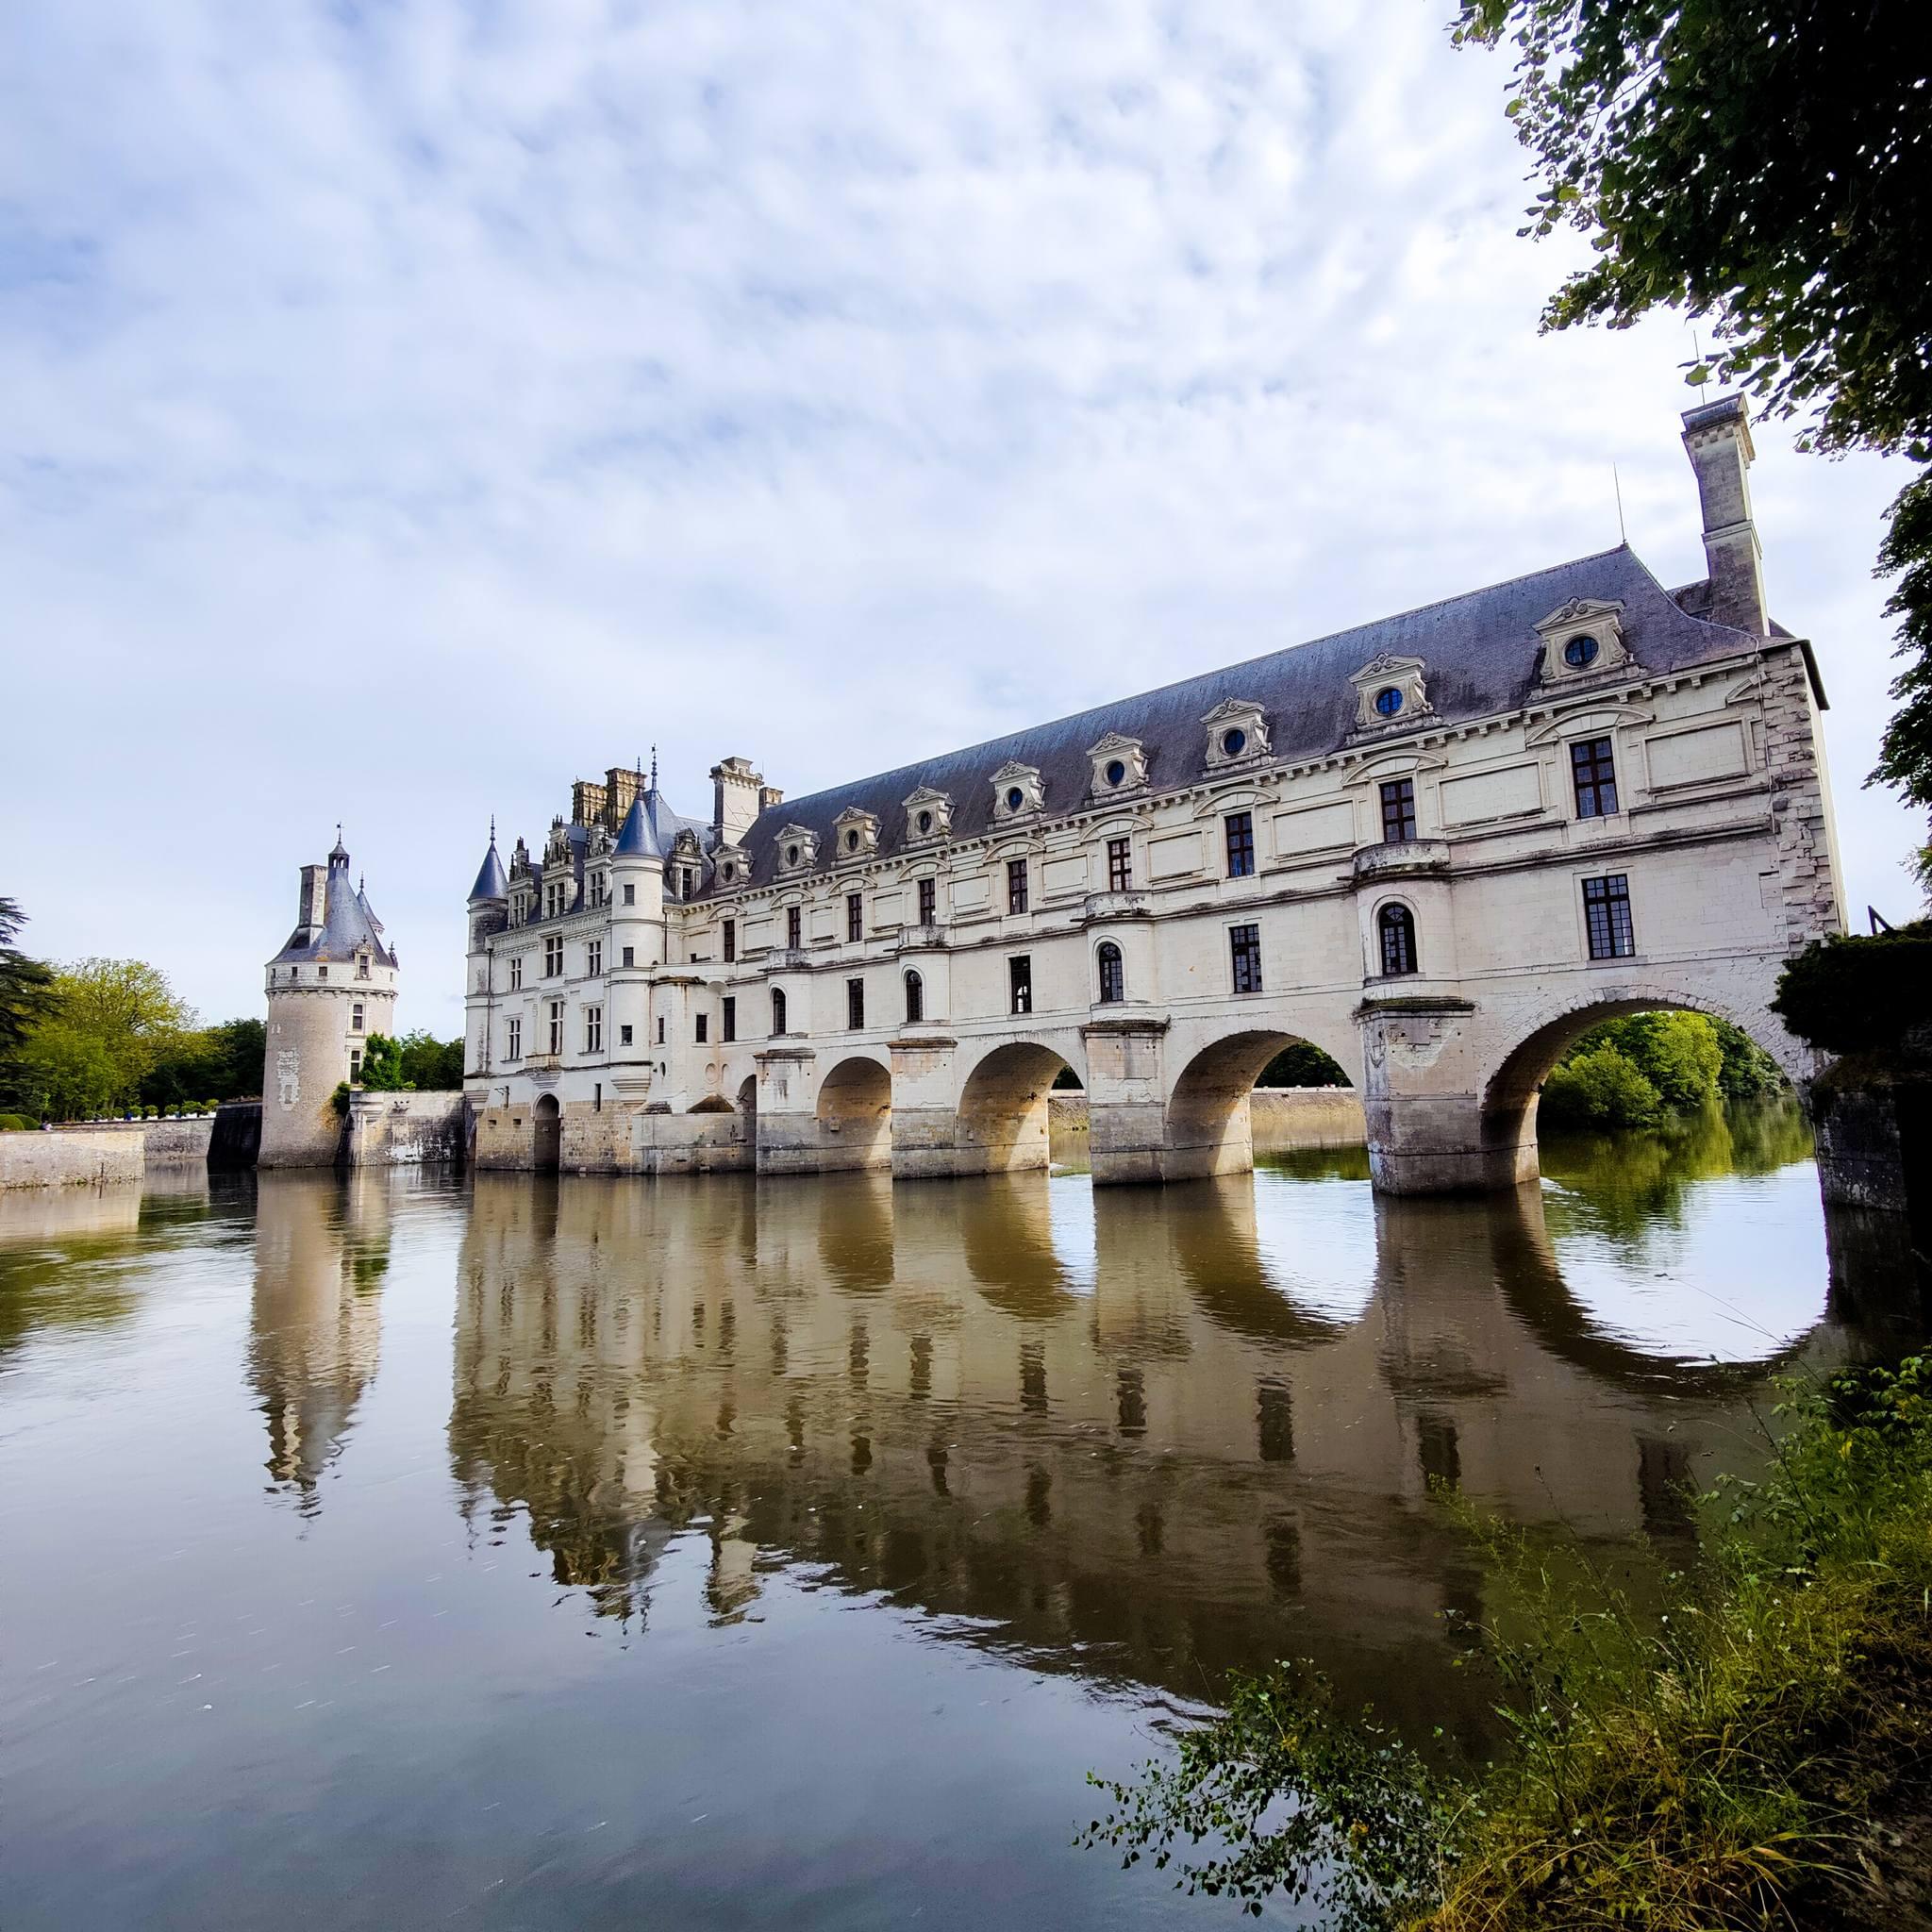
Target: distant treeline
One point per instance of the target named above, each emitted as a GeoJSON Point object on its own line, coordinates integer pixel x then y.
{"type": "Point", "coordinates": [107, 1036]}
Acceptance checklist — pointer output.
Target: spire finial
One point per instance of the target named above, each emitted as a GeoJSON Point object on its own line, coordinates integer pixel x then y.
{"type": "Point", "coordinates": [492, 828]}
{"type": "Point", "coordinates": [654, 768]}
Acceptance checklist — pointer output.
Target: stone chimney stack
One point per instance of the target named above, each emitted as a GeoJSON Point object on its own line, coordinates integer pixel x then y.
{"type": "Point", "coordinates": [735, 791]}
{"type": "Point", "coordinates": [1717, 437]}
{"type": "Point", "coordinates": [311, 913]}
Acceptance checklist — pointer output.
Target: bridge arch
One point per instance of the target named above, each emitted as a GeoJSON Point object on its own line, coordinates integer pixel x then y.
{"type": "Point", "coordinates": [1513, 1087]}
{"type": "Point", "coordinates": [855, 1113]}
{"type": "Point", "coordinates": [1003, 1104]}
{"type": "Point", "coordinates": [1209, 1127]}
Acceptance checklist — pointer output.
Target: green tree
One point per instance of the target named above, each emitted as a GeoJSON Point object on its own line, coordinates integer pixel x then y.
{"type": "Point", "coordinates": [430, 1065]}
{"type": "Point", "coordinates": [1764, 165]}
{"type": "Point", "coordinates": [128, 1007]}
{"type": "Point", "coordinates": [1601, 1088]}
{"type": "Point", "coordinates": [1301, 1064]}
{"type": "Point", "coordinates": [27, 986]}
{"type": "Point", "coordinates": [64, 1072]}
{"type": "Point", "coordinates": [382, 1065]}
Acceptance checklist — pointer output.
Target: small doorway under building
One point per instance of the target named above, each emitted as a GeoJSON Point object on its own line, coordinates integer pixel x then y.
{"type": "Point", "coordinates": [549, 1130]}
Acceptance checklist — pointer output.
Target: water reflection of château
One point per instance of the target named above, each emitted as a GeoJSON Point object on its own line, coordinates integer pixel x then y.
{"type": "Point", "coordinates": [1148, 1459]}
{"type": "Point", "coordinates": [320, 1253]}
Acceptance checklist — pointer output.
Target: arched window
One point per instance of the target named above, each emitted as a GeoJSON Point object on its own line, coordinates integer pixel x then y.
{"type": "Point", "coordinates": [915, 998]}
{"type": "Point", "coordinates": [1396, 924]}
{"type": "Point", "coordinates": [777, 1009]}
{"type": "Point", "coordinates": [1113, 979]}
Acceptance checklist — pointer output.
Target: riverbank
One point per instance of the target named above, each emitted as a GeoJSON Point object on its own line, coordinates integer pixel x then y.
{"type": "Point", "coordinates": [1752, 1749]}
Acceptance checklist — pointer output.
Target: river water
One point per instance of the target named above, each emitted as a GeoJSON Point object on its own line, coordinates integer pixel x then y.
{"type": "Point", "coordinates": [401, 1551]}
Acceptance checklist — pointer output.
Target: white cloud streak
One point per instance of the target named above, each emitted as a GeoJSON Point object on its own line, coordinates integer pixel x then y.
{"type": "Point", "coordinates": [416, 405]}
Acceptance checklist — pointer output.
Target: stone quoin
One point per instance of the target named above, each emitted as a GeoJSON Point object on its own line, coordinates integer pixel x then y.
{"type": "Point", "coordinates": [1438, 846]}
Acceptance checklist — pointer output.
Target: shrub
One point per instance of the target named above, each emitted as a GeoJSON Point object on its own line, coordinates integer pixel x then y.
{"type": "Point", "coordinates": [1601, 1089]}
{"type": "Point", "coordinates": [1850, 995]}
{"type": "Point", "coordinates": [17, 1124]}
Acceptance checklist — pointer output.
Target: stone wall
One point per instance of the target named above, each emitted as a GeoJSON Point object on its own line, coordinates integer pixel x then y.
{"type": "Point", "coordinates": [237, 1137]}
{"type": "Point", "coordinates": [177, 1142]}
{"type": "Point", "coordinates": [616, 1138]}
{"type": "Point", "coordinates": [88, 1159]}
{"type": "Point", "coordinates": [1281, 1116]}
{"type": "Point", "coordinates": [405, 1130]}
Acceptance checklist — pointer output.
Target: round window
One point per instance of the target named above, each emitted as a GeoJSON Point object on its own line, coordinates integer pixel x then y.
{"type": "Point", "coordinates": [1015, 798]}
{"type": "Point", "coordinates": [926, 822]}
{"type": "Point", "coordinates": [1580, 650]}
{"type": "Point", "coordinates": [852, 842]}
{"type": "Point", "coordinates": [1116, 772]}
{"type": "Point", "coordinates": [792, 855]}
{"type": "Point", "coordinates": [1388, 701]}
{"type": "Point", "coordinates": [1234, 742]}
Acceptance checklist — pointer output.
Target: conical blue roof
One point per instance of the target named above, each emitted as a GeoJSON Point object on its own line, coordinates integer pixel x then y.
{"type": "Point", "coordinates": [638, 837]}
{"type": "Point", "coordinates": [491, 883]}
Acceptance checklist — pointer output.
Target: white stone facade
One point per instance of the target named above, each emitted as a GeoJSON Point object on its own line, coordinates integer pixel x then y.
{"type": "Point", "coordinates": [1436, 848]}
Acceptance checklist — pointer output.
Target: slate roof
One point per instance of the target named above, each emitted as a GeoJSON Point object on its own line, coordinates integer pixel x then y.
{"type": "Point", "coordinates": [349, 924]}
{"type": "Point", "coordinates": [491, 882]}
{"type": "Point", "coordinates": [1480, 655]}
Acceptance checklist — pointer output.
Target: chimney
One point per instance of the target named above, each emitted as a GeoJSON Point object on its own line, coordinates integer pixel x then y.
{"type": "Point", "coordinates": [312, 910]}
{"type": "Point", "coordinates": [737, 791]}
{"type": "Point", "coordinates": [1717, 438]}
{"type": "Point", "coordinates": [770, 795]}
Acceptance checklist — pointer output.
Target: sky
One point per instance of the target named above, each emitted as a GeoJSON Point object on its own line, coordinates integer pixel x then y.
{"type": "Point", "coordinates": [414, 406]}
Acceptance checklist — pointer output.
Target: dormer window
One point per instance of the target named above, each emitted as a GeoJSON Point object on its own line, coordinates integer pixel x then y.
{"type": "Point", "coordinates": [1390, 690]}
{"type": "Point", "coordinates": [1582, 639]}
{"type": "Point", "coordinates": [858, 833]}
{"type": "Point", "coordinates": [1016, 789]}
{"type": "Point", "coordinates": [1237, 733]}
{"type": "Point", "coordinates": [798, 848]}
{"type": "Point", "coordinates": [928, 815]}
{"type": "Point", "coordinates": [1119, 764]}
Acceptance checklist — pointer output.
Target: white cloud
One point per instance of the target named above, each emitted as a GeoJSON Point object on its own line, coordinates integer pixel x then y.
{"type": "Point", "coordinates": [415, 407]}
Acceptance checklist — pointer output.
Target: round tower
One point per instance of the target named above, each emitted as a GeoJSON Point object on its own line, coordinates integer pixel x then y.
{"type": "Point", "coordinates": [329, 987]}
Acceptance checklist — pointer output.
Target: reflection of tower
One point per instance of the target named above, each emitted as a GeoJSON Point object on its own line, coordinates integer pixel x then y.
{"type": "Point", "coordinates": [321, 1251]}
{"type": "Point", "coordinates": [330, 987]}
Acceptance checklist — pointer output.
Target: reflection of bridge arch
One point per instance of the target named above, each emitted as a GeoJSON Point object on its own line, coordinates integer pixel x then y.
{"type": "Point", "coordinates": [1510, 1093]}
{"type": "Point", "coordinates": [1531, 1278]}
{"type": "Point", "coordinates": [1003, 1105]}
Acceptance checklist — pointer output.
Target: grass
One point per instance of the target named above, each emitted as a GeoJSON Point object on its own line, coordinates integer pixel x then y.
{"type": "Point", "coordinates": [1755, 1750]}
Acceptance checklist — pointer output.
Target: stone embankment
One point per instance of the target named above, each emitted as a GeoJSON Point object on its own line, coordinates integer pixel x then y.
{"type": "Point", "coordinates": [404, 1130]}
{"type": "Point", "coordinates": [92, 1159]}
{"type": "Point", "coordinates": [1279, 1116]}
{"type": "Point", "coordinates": [173, 1142]}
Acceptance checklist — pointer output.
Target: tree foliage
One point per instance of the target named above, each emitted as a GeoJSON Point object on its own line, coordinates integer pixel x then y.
{"type": "Point", "coordinates": [1302, 1064]}
{"type": "Point", "coordinates": [1852, 994]}
{"type": "Point", "coordinates": [382, 1065]}
{"type": "Point", "coordinates": [1765, 165]}
{"type": "Point", "coordinates": [1631, 1072]}
{"type": "Point", "coordinates": [27, 986]}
